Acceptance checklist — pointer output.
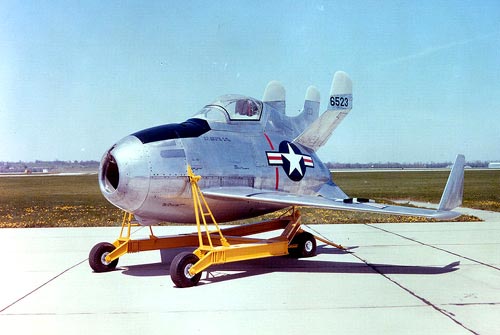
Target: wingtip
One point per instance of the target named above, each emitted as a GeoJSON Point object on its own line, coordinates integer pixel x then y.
{"type": "Point", "coordinates": [453, 191]}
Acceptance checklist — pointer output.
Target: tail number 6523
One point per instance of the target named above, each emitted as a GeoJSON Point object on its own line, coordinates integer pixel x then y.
{"type": "Point", "coordinates": [339, 101]}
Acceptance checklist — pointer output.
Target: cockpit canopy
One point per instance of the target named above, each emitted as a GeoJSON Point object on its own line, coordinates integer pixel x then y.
{"type": "Point", "coordinates": [232, 108]}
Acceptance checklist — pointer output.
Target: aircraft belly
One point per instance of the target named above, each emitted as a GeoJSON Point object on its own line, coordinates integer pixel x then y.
{"type": "Point", "coordinates": [229, 210]}
{"type": "Point", "coordinates": [167, 210]}
{"type": "Point", "coordinates": [180, 210]}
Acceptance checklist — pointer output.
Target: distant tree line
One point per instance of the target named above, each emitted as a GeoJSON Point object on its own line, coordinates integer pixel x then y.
{"type": "Point", "coordinates": [92, 166]}
{"type": "Point", "coordinates": [48, 166]}
{"type": "Point", "coordinates": [395, 165]}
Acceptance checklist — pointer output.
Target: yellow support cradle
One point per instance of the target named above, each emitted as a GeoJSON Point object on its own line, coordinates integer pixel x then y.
{"type": "Point", "coordinates": [216, 246]}
{"type": "Point", "coordinates": [209, 254]}
{"type": "Point", "coordinates": [201, 210]}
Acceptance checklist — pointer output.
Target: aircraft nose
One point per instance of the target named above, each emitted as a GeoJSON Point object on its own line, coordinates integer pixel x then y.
{"type": "Point", "coordinates": [124, 174]}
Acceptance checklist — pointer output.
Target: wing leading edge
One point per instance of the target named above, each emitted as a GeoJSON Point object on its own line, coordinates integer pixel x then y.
{"type": "Point", "coordinates": [283, 198]}
{"type": "Point", "coordinates": [452, 197]}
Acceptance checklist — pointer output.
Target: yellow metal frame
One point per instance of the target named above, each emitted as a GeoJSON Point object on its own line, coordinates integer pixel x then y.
{"type": "Point", "coordinates": [201, 210]}
{"type": "Point", "coordinates": [225, 253]}
{"type": "Point", "coordinates": [215, 246]}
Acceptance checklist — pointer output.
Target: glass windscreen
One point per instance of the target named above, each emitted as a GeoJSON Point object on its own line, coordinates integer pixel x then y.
{"type": "Point", "coordinates": [232, 107]}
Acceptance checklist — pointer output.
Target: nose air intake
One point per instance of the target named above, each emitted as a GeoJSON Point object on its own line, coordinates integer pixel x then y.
{"type": "Point", "coordinates": [111, 173]}
{"type": "Point", "coordinates": [124, 174]}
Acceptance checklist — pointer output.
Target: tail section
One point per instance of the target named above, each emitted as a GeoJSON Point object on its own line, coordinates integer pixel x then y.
{"type": "Point", "coordinates": [340, 104]}
{"type": "Point", "coordinates": [275, 96]}
{"type": "Point", "coordinates": [311, 109]}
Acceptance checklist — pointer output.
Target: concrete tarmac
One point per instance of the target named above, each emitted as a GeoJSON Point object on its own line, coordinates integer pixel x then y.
{"type": "Point", "coordinates": [428, 278]}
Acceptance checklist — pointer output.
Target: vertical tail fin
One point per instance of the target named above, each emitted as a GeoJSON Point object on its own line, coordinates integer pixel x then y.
{"type": "Point", "coordinates": [311, 109]}
{"type": "Point", "coordinates": [275, 96]}
{"type": "Point", "coordinates": [340, 104]}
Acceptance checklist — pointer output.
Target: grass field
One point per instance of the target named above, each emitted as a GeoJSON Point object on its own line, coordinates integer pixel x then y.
{"type": "Point", "coordinates": [481, 189]}
{"type": "Point", "coordinates": [76, 201]}
{"type": "Point", "coordinates": [54, 201]}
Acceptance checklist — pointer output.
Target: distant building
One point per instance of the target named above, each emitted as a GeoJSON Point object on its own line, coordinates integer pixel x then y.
{"type": "Point", "coordinates": [494, 165]}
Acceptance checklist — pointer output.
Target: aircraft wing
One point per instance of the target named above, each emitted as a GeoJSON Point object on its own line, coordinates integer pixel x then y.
{"type": "Point", "coordinates": [451, 198]}
{"type": "Point", "coordinates": [283, 198]}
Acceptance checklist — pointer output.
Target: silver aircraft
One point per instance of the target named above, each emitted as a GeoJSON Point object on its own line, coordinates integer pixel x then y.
{"type": "Point", "coordinates": [253, 159]}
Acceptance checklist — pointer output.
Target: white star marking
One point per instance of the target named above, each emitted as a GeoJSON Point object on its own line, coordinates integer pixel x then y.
{"type": "Point", "coordinates": [294, 160]}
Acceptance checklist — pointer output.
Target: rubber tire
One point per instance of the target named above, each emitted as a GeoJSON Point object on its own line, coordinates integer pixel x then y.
{"type": "Point", "coordinates": [306, 246]}
{"type": "Point", "coordinates": [178, 270]}
{"type": "Point", "coordinates": [97, 254]}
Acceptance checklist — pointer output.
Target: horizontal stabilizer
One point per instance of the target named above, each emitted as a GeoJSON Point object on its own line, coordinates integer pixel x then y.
{"type": "Point", "coordinates": [339, 105]}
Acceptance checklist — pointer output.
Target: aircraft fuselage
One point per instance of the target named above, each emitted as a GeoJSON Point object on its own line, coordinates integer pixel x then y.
{"type": "Point", "coordinates": [145, 173]}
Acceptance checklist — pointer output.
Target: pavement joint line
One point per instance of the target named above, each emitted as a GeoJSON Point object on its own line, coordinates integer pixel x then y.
{"type": "Point", "coordinates": [435, 247]}
{"type": "Point", "coordinates": [53, 278]}
{"type": "Point", "coordinates": [473, 304]}
{"type": "Point", "coordinates": [424, 300]}
{"type": "Point", "coordinates": [240, 310]}
{"type": "Point", "coordinates": [42, 285]}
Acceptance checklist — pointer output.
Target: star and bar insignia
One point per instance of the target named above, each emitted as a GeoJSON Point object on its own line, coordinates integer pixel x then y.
{"type": "Point", "coordinates": [294, 163]}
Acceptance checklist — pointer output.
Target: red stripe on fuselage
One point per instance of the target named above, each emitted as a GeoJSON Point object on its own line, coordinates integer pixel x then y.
{"type": "Point", "coordinates": [269, 141]}
{"type": "Point", "coordinates": [277, 178]}
{"type": "Point", "coordinates": [277, 171]}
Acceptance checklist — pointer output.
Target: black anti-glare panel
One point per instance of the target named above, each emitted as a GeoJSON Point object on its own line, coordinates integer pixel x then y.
{"type": "Point", "coordinates": [188, 128]}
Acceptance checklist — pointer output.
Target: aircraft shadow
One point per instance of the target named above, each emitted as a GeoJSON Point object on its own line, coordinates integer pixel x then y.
{"type": "Point", "coordinates": [285, 264]}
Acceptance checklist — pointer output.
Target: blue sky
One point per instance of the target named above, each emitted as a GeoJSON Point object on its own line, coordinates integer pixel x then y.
{"type": "Point", "coordinates": [75, 77]}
